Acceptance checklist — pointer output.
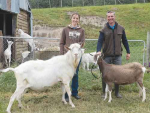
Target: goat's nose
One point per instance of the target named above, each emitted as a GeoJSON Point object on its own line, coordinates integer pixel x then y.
{"type": "Point", "coordinates": [76, 54]}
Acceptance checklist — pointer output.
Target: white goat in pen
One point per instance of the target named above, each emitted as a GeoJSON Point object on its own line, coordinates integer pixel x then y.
{"type": "Point", "coordinates": [39, 74]}
{"type": "Point", "coordinates": [27, 38]}
{"type": "Point", "coordinates": [7, 53]}
{"type": "Point", "coordinates": [88, 58]}
{"type": "Point", "coordinates": [25, 55]}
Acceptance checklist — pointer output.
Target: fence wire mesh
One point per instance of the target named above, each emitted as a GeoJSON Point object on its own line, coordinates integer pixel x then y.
{"type": "Point", "coordinates": [75, 3]}
{"type": "Point", "coordinates": [46, 48]}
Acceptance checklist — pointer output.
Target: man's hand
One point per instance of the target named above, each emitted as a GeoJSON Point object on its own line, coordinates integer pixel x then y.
{"type": "Point", "coordinates": [98, 53]}
{"type": "Point", "coordinates": [128, 56]}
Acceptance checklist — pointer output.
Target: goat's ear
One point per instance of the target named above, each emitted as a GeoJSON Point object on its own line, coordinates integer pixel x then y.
{"type": "Point", "coordinates": [82, 44]}
{"type": "Point", "coordinates": [67, 48]}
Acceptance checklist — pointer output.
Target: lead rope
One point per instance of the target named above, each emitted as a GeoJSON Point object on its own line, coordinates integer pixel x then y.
{"type": "Point", "coordinates": [93, 73]}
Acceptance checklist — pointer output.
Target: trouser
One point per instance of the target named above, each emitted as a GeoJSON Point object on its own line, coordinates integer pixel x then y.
{"type": "Point", "coordinates": [112, 60]}
{"type": "Point", "coordinates": [74, 85]}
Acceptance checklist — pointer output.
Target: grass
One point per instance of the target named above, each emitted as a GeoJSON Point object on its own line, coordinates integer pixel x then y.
{"type": "Point", "coordinates": [134, 18]}
{"type": "Point", "coordinates": [90, 90]}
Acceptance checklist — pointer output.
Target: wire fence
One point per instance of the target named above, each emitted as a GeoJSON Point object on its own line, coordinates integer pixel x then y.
{"type": "Point", "coordinates": [75, 3]}
{"type": "Point", "coordinates": [46, 48]}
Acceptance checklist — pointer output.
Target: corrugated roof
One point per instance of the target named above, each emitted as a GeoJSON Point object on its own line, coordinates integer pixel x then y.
{"type": "Point", "coordinates": [14, 5]}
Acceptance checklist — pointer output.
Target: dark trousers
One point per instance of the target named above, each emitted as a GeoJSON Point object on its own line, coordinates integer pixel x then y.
{"type": "Point", "coordinates": [74, 85]}
{"type": "Point", "coordinates": [112, 60]}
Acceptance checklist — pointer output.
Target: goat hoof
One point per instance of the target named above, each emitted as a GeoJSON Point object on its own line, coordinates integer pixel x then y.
{"type": "Point", "coordinates": [64, 102]}
{"type": "Point", "coordinates": [73, 106]}
{"type": "Point", "coordinates": [143, 100]}
{"type": "Point", "coordinates": [8, 111]}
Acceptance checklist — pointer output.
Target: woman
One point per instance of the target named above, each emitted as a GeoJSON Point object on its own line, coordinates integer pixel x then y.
{"type": "Point", "coordinates": [73, 33]}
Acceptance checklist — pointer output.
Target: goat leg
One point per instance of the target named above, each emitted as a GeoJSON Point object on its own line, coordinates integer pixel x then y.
{"type": "Point", "coordinates": [63, 91]}
{"type": "Point", "coordinates": [69, 95]}
{"type": "Point", "coordinates": [106, 90]}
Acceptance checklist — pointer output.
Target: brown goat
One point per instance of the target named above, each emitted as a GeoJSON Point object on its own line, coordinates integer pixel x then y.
{"type": "Point", "coordinates": [122, 75]}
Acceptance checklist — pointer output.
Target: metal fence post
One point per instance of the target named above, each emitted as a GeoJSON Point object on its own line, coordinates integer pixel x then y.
{"type": "Point", "coordinates": [148, 48]}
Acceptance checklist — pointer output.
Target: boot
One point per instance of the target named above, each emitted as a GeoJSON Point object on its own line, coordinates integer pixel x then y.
{"type": "Point", "coordinates": [103, 88]}
{"type": "Point", "coordinates": [117, 91]}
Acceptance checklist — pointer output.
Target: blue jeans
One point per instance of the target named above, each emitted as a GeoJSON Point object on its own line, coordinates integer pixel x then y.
{"type": "Point", "coordinates": [74, 84]}
{"type": "Point", "coordinates": [113, 60]}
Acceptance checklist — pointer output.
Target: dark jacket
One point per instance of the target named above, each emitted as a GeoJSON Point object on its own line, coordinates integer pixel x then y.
{"type": "Point", "coordinates": [110, 40]}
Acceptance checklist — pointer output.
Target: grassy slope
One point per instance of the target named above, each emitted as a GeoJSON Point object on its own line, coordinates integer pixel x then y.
{"type": "Point", "coordinates": [134, 18]}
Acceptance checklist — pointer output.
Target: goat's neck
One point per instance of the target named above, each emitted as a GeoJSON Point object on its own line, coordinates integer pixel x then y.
{"type": "Point", "coordinates": [9, 47]}
{"type": "Point", "coordinates": [102, 65]}
{"type": "Point", "coordinates": [71, 60]}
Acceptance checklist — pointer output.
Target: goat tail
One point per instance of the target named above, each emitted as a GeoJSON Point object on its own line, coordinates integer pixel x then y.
{"type": "Point", "coordinates": [8, 69]}
{"type": "Point", "coordinates": [144, 69]}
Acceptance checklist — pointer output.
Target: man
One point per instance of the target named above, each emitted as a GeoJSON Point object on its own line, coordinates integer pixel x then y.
{"type": "Point", "coordinates": [110, 42]}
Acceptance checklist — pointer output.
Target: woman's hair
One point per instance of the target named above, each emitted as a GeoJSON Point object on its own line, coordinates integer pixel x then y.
{"type": "Point", "coordinates": [75, 14]}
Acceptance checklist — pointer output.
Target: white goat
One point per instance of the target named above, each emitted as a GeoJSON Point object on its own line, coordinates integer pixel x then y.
{"type": "Point", "coordinates": [88, 58]}
{"type": "Point", "coordinates": [24, 55]}
{"type": "Point", "coordinates": [39, 74]}
{"type": "Point", "coordinates": [27, 37]}
{"type": "Point", "coordinates": [7, 53]}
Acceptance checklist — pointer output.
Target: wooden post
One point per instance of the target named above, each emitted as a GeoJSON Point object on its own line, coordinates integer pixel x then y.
{"type": "Point", "coordinates": [61, 3]}
{"type": "Point", "coordinates": [136, 1]}
{"type": "Point", "coordinates": [148, 49]}
{"type": "Point", "coordinates": [72, 3]}
{"type": "Point", "coordinates": [1, 50]}
{"type": "Point", "coordinates": [115, 2]}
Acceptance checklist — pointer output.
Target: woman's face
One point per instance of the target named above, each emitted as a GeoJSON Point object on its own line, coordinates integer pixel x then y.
{"type": "Point", "coordinates": [75, 20]}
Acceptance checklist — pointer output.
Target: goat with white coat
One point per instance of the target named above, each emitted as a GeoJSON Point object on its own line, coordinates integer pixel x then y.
{"type": "Point", "coordinates": [7, 53]}
{"type": "Point", "coordinates": [25, 55]}
{"type": "Point", "coordinates": [88, 58]}
{"type": "Point", "coordinates": [46, 73]}
{"type": "Point", "coordinates": [27, 38]}
{"type": "Point", "coordinates": [122, 75]}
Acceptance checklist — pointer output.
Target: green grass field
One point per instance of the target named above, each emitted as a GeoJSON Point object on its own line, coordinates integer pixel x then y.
{"type": "Point", "coordinates": [49, 101]}
{"type": "Point", "coordinates": [134, 18]}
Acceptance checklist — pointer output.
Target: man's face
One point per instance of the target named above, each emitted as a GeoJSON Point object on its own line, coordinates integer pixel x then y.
{"type": "Point", "coordinates": [111, 18]}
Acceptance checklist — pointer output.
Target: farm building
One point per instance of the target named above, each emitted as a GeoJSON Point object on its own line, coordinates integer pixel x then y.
{"type": "Point", "coordinates": [14, 14]}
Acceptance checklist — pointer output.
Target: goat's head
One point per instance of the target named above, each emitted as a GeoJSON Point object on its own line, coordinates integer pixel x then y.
{"type": "Point", "coordinates": [76, 52]}
{"type": "Point", "coordinates": [20, 31]}
{"type": "Point", "coordinates": [9, 43]}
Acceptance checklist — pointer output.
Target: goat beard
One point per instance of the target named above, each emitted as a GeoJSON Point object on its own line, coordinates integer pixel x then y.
{"type": "Point", "coordinates": [76, 62]}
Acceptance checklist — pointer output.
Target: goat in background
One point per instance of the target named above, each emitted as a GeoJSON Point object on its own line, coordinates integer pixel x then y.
{"type": "Point", "coordinates": [27, 38]}
{"type": "Point", "coordinates": [7, 53]}
{"type": "Point", "coordinates": [25, 55]}
{"type": "Point", "coordinates": [88, 58]}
